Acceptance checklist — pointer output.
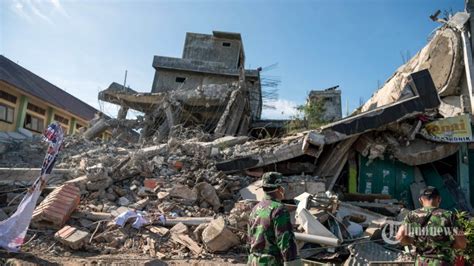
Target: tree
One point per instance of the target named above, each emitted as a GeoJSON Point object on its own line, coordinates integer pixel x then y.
{"type": "Point", "coordinates": [313, 112]}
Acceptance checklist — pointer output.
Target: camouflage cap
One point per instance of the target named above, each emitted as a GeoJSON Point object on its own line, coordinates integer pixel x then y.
{"type": "Point", "coordinates": [429, 191]}
{"type": "Point", "coordinates": [271, 180]}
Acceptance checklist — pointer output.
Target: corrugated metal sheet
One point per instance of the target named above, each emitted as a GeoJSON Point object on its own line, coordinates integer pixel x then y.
{"type": "Point", "coordinates": [386, 177]}
{"type": "Point", "coordinates": [370, 253]}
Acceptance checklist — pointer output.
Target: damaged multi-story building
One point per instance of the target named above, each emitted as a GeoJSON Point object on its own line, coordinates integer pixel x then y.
{"type": "Point", "coordinates": [207, 87]}
{"type": "Point", "coordinates": [330, 99]}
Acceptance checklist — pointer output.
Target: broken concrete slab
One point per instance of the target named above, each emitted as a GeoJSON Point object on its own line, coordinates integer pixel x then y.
{"type": "Point", "coordinates": [217, 237]}
{"type": "Point", "coordinates": [268, 152]}
{"type": "Point", "coordinates": [346, 209]}
{"type": "Point", "coordinates": [421, 152]}
{"type": "Point", "coordinates": [330, 163]}
{"type": "Point", "coordinates": [453, 106]}
{"type": "Point", "coordinates": [184, 193]}
{"type": "Point", "coordinates": [425, 99]}
{"type": "Point", "coordinates": [442, 57]}
{"type": "Point", "coordinates": [207, 193]}
{"type": "Point", "coordinates": [292, 189]}
{"type": "Point", "coordinates": [311, 225]}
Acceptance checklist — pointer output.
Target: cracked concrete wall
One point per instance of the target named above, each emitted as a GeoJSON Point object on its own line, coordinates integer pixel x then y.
{"type": "Point", "coordinates": [167, 80]}
{"type": "Point", "coordinates": [332, 103]}
{"type": "Point", "coordinates": [206, 47]}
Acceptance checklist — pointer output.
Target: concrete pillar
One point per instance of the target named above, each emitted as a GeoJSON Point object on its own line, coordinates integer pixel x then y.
{"type": "Point", "coordinates": [72, 125]}
{"type": "Point", "coordinates": [352, 185]}
{"type": "Point", "coordinates": [122, 113]}
{"type": "Point", "coordinates": [21, 112]}
{"type": "Point", "coordinates": [49, 115]}
{"type": "Point", "coordinates": [463, 170]}
{"type": "Point", "coordinates": [470, 9]}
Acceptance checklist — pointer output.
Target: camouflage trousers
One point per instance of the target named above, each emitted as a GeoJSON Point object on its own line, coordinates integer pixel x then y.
{"type": "Point", "coordinates": [423, 261]}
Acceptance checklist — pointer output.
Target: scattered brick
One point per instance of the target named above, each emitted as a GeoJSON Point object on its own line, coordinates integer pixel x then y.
{"type": "Point", "coordinates": [72, 237]}
{"type": "Point", "coordinates": [56, 208]}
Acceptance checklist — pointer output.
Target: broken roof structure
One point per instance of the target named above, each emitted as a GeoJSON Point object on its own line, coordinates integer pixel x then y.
{"type": "Point", "coordinates": [30, 83]}
{"type": "Point", "coordinates": [208, 87]}
{"type": "Point", "coordinates": [415, 124]}
{"type": "Point", "coordinates": [350, 177]}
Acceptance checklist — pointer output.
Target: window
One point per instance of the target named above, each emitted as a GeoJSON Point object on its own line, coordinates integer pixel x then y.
{"type": "Point", "coordinates": [34, 123]}
{"type": "Point", "coordinates": [180, 79]}
{"type": "Point", "coordinates": [226, 44]}
{"type": "Point", "coordinates": [78, 126]}
{"type": "Point", "coordinates": [36, 109]}
{"type": "Point", "coordinates": [61, 119]}
{"type": "Point", "coordinates": [7, 96]}
{"type": "Point", "coordinates": [6, 113]}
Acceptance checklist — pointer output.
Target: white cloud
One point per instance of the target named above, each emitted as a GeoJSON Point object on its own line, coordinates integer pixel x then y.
{"type": "Point", "coordinates": [58, 7]}
{"type": "Point", "coordinates": [36, 11]}
{"type": "Point", "coordinates": [283, 109]}
{"type": "Point", "coordinates": [19, 8]}
{"type": "Point", "coordinates": [31, 9]}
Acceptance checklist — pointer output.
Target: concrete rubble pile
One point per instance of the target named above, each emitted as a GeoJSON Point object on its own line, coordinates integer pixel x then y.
{"type": "Point", "coordinates": [175, 185]}
{"type": "Point", "coordinates": [186, 189]}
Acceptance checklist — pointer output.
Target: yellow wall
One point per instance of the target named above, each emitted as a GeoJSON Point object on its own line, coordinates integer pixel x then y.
{"type": "Point", "coordinates": [40, 103]}
{"type": "Point", "coordinates": [64, 126]}
{"type": "Point", "coordinates": [4, 126]}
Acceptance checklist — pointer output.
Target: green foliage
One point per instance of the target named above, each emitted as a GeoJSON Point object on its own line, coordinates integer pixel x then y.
{"type": "Point", "coordinates": [310, 116]}
{"type": "Point", "coordinates": [467, 225]}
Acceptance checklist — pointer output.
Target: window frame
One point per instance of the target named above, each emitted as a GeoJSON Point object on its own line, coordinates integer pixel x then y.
{"type": "Point", "coordinates": [177, 79]}
{"type": "Point", "coordinates": [8, 97]}
{"type": "Point", "coordinates": [7, 108]}
{"type": "Point", "coordinates": [36, 109]}
{"type": "Point", "coordinates": [62, 119]}
{"type": "Point", "coordinates": [34, 117]}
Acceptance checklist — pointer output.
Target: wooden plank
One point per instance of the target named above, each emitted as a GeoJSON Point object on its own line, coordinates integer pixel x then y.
{"type": "Point", "coordinates": [330, 162]}
{"type": "Point", "coordinates": [337, 172]}
{"type": "Point", "coordinates": [187, 242]}
{"type": "Point", "coordinates": [162, 231]}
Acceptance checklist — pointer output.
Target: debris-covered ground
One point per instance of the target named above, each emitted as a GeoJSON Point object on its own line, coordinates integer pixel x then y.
{"type": "Point", "coordinates": [190, 209]}
{"type": "Point", "coordinates": [187, 194]}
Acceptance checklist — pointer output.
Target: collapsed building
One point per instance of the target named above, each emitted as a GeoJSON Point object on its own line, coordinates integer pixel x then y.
{"type": "Point", "coordinates": [348, 178]}
{"type": "Point", "coordinates": [330, 100]}
{"type": "Point", "coordinates": [208, 87]}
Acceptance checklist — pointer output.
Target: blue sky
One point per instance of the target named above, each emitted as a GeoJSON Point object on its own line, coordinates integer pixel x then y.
{"type": "Point", "coordinates": [83, 46]}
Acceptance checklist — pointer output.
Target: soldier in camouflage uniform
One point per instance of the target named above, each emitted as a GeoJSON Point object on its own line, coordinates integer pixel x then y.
{"type": "Point", "coordinates": [434, 232]}
{"type": "Point", "coordinates": [270, 232]}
